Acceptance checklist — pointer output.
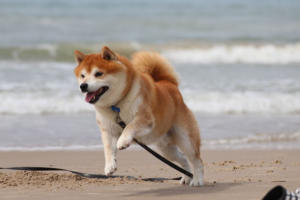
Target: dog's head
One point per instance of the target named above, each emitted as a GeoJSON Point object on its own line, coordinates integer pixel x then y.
{"type": "Point", "coordinates": [102, 77]}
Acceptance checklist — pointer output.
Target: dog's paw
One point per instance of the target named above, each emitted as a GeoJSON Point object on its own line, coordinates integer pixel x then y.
{"type": "Point", "coordinates": [196, 182]}
{"type": "Point", "coordinates": [185, 180]}
{"type": "Point", "coordinates": [124, 142]}
{"type": "Point", "coordinates": [110, 168]}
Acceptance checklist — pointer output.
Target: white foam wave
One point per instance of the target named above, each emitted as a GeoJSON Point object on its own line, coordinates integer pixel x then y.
{"type": "Point", "coordinates": [258, 141]}
{"type": "Point", "coordinates": [54, 148]}
{"type": "Point", "coordinates": [243, 102]}
{"type": "Point", "coordinates": [263, 54]}
{"type": "Point", "coordinates": [206, 102]}
{"type": "Point", "coordinates": [262, 141]}
{"type": "Point", "coordinates": [32, 104]}
{"type": "Point", "coordinates": [51, 48]}
{"type": "Point", "coordinates": [258, 138]}
{"type": "Point", "coordinates": [61, 148]}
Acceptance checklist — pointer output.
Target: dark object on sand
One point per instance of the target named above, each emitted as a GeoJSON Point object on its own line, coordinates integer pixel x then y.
{"type": "Point", "coordinates": [280, 193]}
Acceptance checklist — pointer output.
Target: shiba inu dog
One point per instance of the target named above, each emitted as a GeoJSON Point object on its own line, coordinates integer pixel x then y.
{"type": "Point", "coordinates": [146, 91]}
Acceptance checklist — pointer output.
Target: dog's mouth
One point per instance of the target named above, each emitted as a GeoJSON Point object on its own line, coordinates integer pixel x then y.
{"type": "Point", "coordinates": [93, 97]}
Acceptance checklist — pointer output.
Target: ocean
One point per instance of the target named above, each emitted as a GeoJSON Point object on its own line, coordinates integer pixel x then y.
{"type": "Point", "coordinates": [238, 63]}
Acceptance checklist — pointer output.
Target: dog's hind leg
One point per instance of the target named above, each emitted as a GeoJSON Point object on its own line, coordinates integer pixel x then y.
{"type": "Point", "coordinates": [197, 166]}
{"type": "Point", "coordinates": [171, 152]}
{"type": "Point", "coordinates": [190, 146]}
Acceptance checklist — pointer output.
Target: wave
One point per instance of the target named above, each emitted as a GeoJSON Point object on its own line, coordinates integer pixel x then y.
{"type": "Point", "coordinates": [60, 51]}
{"type": "Point", "coordinates": [205, 102]}
{"type": "Point", "coordinates": [39, 104]}
{"type": "Point", "coordinates": [243, 102]}
{"type": "Point", "coordinates": [50, 87]}
{"type": "Point", "coordinates": [258, 141]}
{"type": "Point", "coordinates": [262, 141]}
{"type": "Point", "coordinates": [257, 138]}
{"type": "Point", "coordinates": [176, 53]}
{"type": "Point", "coordinates": [54, 148]}
{"type": "Point", "coordinates": [248, 53]}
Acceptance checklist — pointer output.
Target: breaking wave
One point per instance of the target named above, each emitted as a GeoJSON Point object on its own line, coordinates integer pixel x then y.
{"type": "Point", "coordinates": [259, 54]}
{"type": "Point", "coordinates": [257, 138]}
{"type": "Point", "coordinates": [198, 53]}
{"type": "Point", "coordinates": [257, 141]}
{"type": "Point", "coordinates": [262, 141]}
{"type": "Point", "coordinates": [54, 148]}
{"type": "Point", "coordinates": [206, 102]}
{"type": "Point", "coordinates": [61, 51]}
{"type": "Point", "coordinates": [34, 104]}
{"type": "Point", "coordinates": [50, 87]}
{"type": "Point", "coordinates": [244, 102]}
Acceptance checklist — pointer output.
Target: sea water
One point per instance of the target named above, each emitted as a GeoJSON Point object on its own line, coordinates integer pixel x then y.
{"type": "Point", "coordinates": [238, 63]}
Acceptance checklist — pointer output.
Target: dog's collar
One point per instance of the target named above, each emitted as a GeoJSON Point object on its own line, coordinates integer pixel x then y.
{"type": "Point", "coordinates": [115, 109]}
{"type": "Point", "coordinates": [118, 118]}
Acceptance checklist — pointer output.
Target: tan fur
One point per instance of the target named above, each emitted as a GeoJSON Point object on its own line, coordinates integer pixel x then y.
{"type": "Point", "coordinates": [151, 105]}
{"type": "Point", "coordinates": [156, 66]}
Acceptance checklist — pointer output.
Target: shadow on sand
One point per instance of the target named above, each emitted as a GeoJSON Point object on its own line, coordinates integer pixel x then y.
{"type": "Point", "coordinates": [183, 190]}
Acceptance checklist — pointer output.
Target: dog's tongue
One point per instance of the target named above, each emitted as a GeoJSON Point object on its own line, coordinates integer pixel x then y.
{"type": "Point", "coordinates": [90, 95]}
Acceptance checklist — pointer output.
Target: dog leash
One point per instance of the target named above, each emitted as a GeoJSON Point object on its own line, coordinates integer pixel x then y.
{"type": "Point", "coordinates": [101, 176]}
{"type": "Point", "coordinates": [85, 175]}
{"type": "Point", "coordinates": [122, 124]}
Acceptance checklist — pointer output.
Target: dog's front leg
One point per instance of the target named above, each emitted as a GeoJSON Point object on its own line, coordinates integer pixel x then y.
{"type": "Point", "coordinates": [110, 134]}
{"type": "Point", "coordinates": [140, 126]}
{"type": "Point", "coordinates": [110, 148]}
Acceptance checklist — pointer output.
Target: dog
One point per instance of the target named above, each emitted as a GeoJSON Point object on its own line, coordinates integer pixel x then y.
{"type": "Point", "coordinates": [145, 89]}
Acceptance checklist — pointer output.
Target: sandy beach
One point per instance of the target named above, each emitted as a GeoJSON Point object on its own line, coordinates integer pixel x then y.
{"type": "Point", "coordinates": [229, 174]}
{"type": "Point", "coordinates": [238, 64]}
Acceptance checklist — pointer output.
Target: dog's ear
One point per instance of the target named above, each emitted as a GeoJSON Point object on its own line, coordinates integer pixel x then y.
{"type": "Point", "coordinates": [108, 54]}
{"type": "Point", "coordinates": [79, 56]}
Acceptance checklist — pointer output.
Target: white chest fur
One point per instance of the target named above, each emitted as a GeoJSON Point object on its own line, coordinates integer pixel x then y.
{"type": "Point", "coordinates": [128, 106]}
{"type": "Point", "coordinates": [131, 103]}
{"type": "Point", "coordinates": [106, 118]}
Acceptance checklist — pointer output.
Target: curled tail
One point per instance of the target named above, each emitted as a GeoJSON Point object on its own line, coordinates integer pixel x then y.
{"type": "Point", "coordinates": [156, 66]}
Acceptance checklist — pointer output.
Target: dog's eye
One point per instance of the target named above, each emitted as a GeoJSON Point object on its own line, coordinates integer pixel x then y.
{"type": "Point", "coordinates": [82, 76]}
{"type": "Point", "coordinates": [97, 74]}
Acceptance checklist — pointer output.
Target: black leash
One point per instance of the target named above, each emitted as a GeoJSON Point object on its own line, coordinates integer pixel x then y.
{"type": "Point", "coordinates": [85, 175]}
{"type": "Point", "coordinates": [58, 169]}
{"type": "Point", "coordinates": [158, 156]}
{"type": "Point", "coordinates": [100, 176]}
{"type": "Point", "coordinates": [163, 159]}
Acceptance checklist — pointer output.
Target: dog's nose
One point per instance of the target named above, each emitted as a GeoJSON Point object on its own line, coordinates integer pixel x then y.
{"type": "Point", "coordinates": [84, 87]}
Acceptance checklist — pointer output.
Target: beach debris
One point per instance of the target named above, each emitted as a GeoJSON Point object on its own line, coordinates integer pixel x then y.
{"type": "Point", "coordinates": [277, 161]}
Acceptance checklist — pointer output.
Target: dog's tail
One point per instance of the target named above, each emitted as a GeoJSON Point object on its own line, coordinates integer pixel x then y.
{"type": "Point", "coordinates": [154, 65]}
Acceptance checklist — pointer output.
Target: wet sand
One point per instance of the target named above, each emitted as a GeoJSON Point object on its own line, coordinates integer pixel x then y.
{"type": "Point", "coordinates": [229, 174]}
